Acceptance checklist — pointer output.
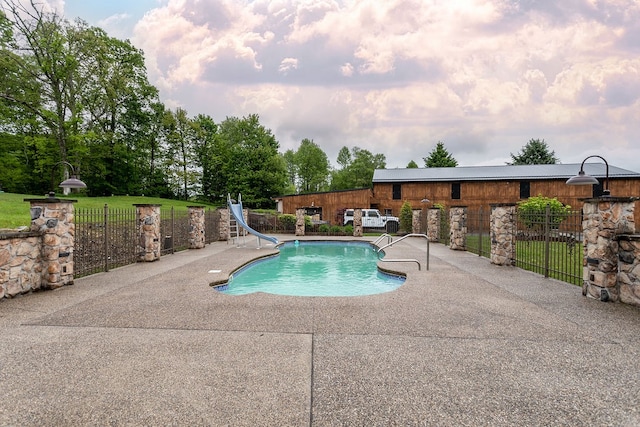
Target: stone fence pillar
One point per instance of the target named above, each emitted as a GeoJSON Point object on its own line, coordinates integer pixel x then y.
{"type": "Point", "coordinates": [54, 218]}
{"type": "Point", "coordinates": [196, 227]}
{"type": "Point", "coordinates": [357, 222]}
{"type": "Point", "coordinates": [503, 234]}
{"type": "Point", "coordinates": [416, 221]}
{"type": "Point", "coordinates": [433, 224]}
{"type": "Point", "coordinates": [458, 228]}
{"type": "Point", "coordinates": [223, 225]}
{"type": "Point", "coordinates": [299, 222]}
{"type": "Point", "coordinates": [148, 231]}
{"type": "Point", "coordinates": [604, 219]}
{"type": "Point", "coordinates": [629, 269]}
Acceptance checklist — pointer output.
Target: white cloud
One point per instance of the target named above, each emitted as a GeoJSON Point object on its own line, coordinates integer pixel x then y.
{"type": "Point", "coordinates": [483, 76]}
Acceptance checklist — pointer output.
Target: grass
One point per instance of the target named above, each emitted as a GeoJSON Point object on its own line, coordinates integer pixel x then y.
{"type": "Point", "coordinates": [14, 211]}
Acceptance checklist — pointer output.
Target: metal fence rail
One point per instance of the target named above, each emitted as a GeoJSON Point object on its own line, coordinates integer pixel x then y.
{"type": "Point", "coordinates": [478, 240]}
{"type": "Point", "coordinates": [104, 239]}
{"type": "Point", "coordinates": [211, 225]}
{"type": "Point", "coordinates": [445, 229]}
{"type": "Point", "coordinates": [174, 229]}
{"type": "Point", "coordinates": [551, 244]}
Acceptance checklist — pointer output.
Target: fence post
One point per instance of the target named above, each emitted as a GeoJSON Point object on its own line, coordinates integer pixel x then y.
{"type": "Point", "coordinates": [196, 227]}
{"type": "Point", "coordinates": [148, 230]}
{"type": "Point", "coordinates": [299, 222]}
{"type": "Point", "coordinates": [604, 219]}
{"type": "Point", "coordinates": [458, 228]}
{"type": "Point", "coordinates": [433, 224]}
{"type": "Point", "coordinates": [416, 221]}
{"type": "Point", "coordinates": [503, 236]}
{"type": "Point", "coordinates": [54, 218]}
{"type": "Point", "coordinates": [357, 222]}
{"type": "Point", "coordinates": [105, 224]}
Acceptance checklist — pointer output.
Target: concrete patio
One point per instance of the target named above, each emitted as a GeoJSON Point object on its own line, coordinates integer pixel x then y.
{"type": "Point", "coordinates": [465, 343]}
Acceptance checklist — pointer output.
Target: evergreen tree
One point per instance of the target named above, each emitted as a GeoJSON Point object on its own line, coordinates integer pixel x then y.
{"type": "Point", "coordinates": [412, 165]}
{"type": "Point", "coordinates": [535, 152]}
{"type": "Point", "coordinates": [440, 158]}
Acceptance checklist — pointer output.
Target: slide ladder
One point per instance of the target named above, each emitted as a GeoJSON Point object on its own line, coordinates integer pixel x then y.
{"type": "Point", "coordinates": [236, 215]}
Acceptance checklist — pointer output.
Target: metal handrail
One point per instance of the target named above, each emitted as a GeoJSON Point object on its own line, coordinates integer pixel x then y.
{"type": "Point", "coordinates": [388, 236]}
{"type": "Point", "coordinates": [401, 239]}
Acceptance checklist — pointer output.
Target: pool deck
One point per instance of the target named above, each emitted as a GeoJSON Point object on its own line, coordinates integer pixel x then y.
{"type": "Point", "coordinates": [465, 343]}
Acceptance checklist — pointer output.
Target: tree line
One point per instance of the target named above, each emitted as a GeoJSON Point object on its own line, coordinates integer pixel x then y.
{"type": "Point", "coordinates": [71, 94]}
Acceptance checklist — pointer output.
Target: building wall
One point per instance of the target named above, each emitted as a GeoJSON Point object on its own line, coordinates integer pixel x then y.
{"type": "Point", "coordinates": [475, 194]}
{"type": "Point", "coordinates": [332, 203]}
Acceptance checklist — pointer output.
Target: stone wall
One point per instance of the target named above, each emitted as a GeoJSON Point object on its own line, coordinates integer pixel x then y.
{"type": "Point", "coordinates": [300, 222]}
{"type": "Point", "coordinates": [196, 227]}
{"type": "Point", "coordinates": [357, 223]}
{"type": "Point", "coordinates": [503, 236]}
{"type": "Point", "coordinates": [20, 262]}
{"type": "Point", "coordinates": [148, 228]}
{"type": "Point", "coordinates": [433, 224]}
{"type": "Point", "coordinates": [416, 221]}
{"type": "Point", "coordinates": [458, 228]}
{"type": "Point", "coordinates": [629, 269]}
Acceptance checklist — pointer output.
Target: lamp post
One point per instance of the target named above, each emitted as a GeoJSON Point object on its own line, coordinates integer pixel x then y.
{"type": "Point", "coordinates": [71, 182]}
{"type": "Point", "coordinates": [585, 179]}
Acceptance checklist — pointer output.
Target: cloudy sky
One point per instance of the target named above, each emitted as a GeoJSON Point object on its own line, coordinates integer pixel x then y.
{"type": "Point", "coordinates": [397, 76]}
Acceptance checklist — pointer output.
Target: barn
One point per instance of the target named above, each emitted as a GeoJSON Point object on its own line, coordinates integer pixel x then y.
{"type": "Point", "coordinates": [470, 186]}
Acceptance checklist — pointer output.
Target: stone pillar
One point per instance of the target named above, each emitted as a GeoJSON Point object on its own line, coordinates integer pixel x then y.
{"type": "Point", "coordinates": [629, 269]}
{"type": "Point", "coordinates": [433, 224]}
{"type": "Point", "coordinates": [503, 234]}
{"type": "Point", "coordinates": [416, 221]}
{"type": "Point", "coordinates": [458, 228]}
{"type": "Point", "coordinates": [148, 230]}
{"type": "Point", "coordinates": [196, 227]}
{"type": "Point", "coordinates": [223, 225]}
{"type": "Point", "coordinates": [357, 222]}
{"type": "Point", "coordinates": [299, 222]}
{"type": "Point", "coordinates": [604, 219]}
{"type": "Point", "coordinates": [54, 218]}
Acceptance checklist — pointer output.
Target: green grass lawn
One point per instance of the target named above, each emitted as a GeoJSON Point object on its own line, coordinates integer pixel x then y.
{"type": "Point", "coordinates": [14, 211]}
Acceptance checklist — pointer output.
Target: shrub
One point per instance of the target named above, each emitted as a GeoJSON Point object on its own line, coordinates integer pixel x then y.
{"type": "Point", "coordinates": [532, 211]}
{"type": "Point", "coordinates": [406, 217]}
{"type": "Point", "coordinates": [323, 228]}
{"type": "Point", "coordinates": [336, 229]}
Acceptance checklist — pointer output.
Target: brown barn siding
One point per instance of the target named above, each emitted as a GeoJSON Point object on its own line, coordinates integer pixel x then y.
{"type": "Point", "coordinates": [473, 194]}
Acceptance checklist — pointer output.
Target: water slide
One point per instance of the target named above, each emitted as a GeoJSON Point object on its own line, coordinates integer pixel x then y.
{"type": "Point", "coordinates": [236, 212]}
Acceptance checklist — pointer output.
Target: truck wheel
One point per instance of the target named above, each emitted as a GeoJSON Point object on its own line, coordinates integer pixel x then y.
{"type": "Point", "coordinates": [392, 227]}
{"type": "Point", "coordinates": [349, 223]}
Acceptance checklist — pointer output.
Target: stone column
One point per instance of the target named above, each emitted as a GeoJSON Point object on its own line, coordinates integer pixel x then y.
{"type": "Point", "coordinates": [458, 228]}
{"type": "Point", "coordinates": [223, 225]}
{"type": "Point", "coordinates": [54, 218]}
{"type": "Point", "coordinates": [503, 234]}
{"type": "Point", "coordinates": [433, 224]}
{"type": "Point", "coordinates": [629, 269]}
{"type": "Point", "coordinates": [604, 219]}
{"type": "Point", "coordinates": [148, 230]}
{"type": "Point", "coordinates": [196, 227]}
{"type": "Point", "coordinates": [416, 221]}
{"type": "Point", "coordinates": [299, 222]}
{"type": "Point", "coordinates": [357, 222]}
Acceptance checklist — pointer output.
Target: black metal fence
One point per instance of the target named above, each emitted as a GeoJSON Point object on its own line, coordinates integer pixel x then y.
{"type": "Point", "coordinates": [444, 235]}
{"type": "Point", "coordinates": [551, 244]}
{"type": "Point", "coordinates": [174, 229]}
{"type": "Point", "coordinates": [104, 239]}
{"type": "Point", "coordinates": [478, 240]}
{"type": "Point", "coordinates": [211, 225]}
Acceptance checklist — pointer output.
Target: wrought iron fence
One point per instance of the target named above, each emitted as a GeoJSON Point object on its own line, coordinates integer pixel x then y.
{"type": "Point", "coordinates": [444, 236]}
{"type": "Point", "coordinates": [551, 244]}
{"type": "Point", "coordinates": [104, 239]}
{"type": "Point", "coordinates": [478, 240]}
{"type": "Point", "coordinates": [211, 225]}
{"type": "Point", "coordinates": [174, 229]}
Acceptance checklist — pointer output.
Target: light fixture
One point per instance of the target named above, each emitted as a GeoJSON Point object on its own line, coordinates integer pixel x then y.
{"type": "Point", "coordinates": [585, 179]}
{"type": "Point", "coordinates": [72, 181]}
{"type": "Point", "coordinates": [425, 200]}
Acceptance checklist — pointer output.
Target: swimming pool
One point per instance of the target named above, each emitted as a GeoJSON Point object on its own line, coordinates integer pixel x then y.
{"type": "Point", "coordinates": [315, 268]}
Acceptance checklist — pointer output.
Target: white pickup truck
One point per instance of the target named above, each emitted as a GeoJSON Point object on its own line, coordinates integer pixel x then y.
{"type": "Point", "coordinates": [371, 218]}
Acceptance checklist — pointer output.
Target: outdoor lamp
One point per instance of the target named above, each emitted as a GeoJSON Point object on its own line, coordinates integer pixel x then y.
{"type": "Point", "coordinates": [72, 181]}
{"type": "Point", "coordinates": [585, 179]}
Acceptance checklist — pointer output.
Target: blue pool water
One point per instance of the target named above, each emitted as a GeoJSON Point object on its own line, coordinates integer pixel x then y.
{"type": "Point", "coordinates": [315, 269]}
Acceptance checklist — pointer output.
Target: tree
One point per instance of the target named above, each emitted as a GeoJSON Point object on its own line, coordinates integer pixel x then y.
{"type": "Point", "coordinates": [412, 165]}
{"type": "Point", "coordinates": [406, 217]}
{"type": "Point", "coordinates": [357, 167]}
{"type": "Point", "coordinates": [439, 157]}
{"type": "Point", "coordinates": [535, 152]}
{"type": "Point", "coordinates": [312, 167]}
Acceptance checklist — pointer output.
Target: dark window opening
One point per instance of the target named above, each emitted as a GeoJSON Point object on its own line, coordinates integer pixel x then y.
{"type": "Point", "coordinates": [455, 190]}
{"type": "Point", "coordinates": [525, 189]}
{"type": "Point", "coordinates": [397, 191]}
